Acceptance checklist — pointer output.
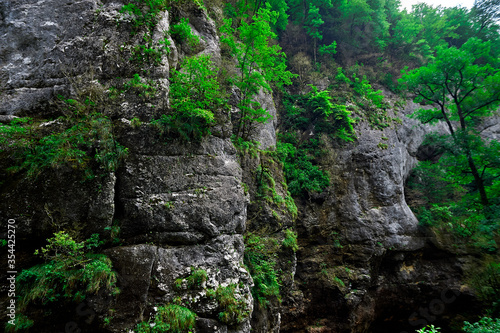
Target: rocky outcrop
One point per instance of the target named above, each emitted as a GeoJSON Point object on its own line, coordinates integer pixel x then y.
{"type": "Point", "coordinates": [148, 277]}
{"type": "Point", "coordinates": [364, 264]}
{"type": "Point", "coordinates": [178, 206]}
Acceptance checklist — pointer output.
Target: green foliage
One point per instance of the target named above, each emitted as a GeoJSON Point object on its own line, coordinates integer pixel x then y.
{"type": "Point", "coordinates": [428, 329]}
{"type": "Point", "coordinates": [316, 108]}
{"type": "Point", "coordinates": [444, 202]}
{"type": "Point", "coordinates": [312, 24]}
{"type": "Point", "coordinates": [142, 87]}
{"type": "Point", "coordinates": [194, 98]}
{"type": "Point", "coordinates": [432, 184]}
{"type": "Point", "coordinates": [485, 325]}
{"type": "Point", "coordinates": [195, 280]}
{"type": "Point", "coordinates": [69, 273]}
{"type": "Point", "coordinates": [135, 122]}
{"type": "Point", "coordinates": [328, 49]}
{"type": "Point", "coordinates": [145, 12]}
{"type": "Point", "coordinates": [149, 53]}
{"type": "Point", "coordinates": [169, 318]}
{"type": "Point", "coordinates": [371, 102]}
{"type": "Point", "coordinates": [182, 31]}
{"type": "Point", "coordinates": [260, 64]}
{"type": "Point", "coordinates": [233, 309]}
{"type": "Point", "coordinates": [266, 184]}
{"type": "Point", "coordinates": [290, 240]}
{"type": "Point", "coordinates": [260, 260]}
{"type": "Point", "coordinates": [114, 231]}
{"type": "Point", "coordinates": [80, 133]}
{"type": "Point", "coordinates": [21, 323]}
{"type": "Point", "coordinates": [465, 92]}
{"type": "Point", "coordinates": [302, 176]}
{"type": "Point", "coordinates": [333, 275]}
{"type": "Point", "coordinates": [382, 145]}
{"type": "Point", "coordinates": [314, 114]}
{"type": "Point", "coordinates": [241, 9]}
{"type": "Point", "coordinates": [486, 282]}
{"type": "Point", "coordinates": [246, 147]}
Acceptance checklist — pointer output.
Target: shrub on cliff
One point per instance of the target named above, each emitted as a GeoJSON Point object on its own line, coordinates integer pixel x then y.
{"type": "Point", "coordinates": [195, 97]}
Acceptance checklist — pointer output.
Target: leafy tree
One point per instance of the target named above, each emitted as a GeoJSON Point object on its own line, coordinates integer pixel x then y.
{"type": "Point", "coordinates": [405, 38]}
{"type": "Point", "coordinates": [486, 12]}
{"type": "Point", "coordinates": [464, 92]}
{"type": "Point", "coordinates": [259, 64]}
{"type": "Point", "coordinates": [194, 98]}
{"type": "Point", "coordinates": [241, 9]}
{"type": "Point", "coordinates": [312, 25]}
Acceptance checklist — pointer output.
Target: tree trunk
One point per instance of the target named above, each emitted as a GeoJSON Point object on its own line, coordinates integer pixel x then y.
{"type": "Point", "coordinates": [478, 180]}
{"type": "Point", "coordinates": [475, 173]}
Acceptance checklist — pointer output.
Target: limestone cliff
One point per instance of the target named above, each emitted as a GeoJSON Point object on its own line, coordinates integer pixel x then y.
{"type": "Point", "coordinates": [363, 264]}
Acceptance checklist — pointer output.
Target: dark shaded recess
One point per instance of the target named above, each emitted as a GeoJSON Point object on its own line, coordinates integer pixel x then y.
{"type": "Point", "coordinates": [429, 153]}
{"type": "Point", "coordinates": [432, 297]}
{"type": "Point", "coordinates": [62, 317]}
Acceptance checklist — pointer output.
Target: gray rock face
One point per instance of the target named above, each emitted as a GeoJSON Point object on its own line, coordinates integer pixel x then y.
{"type": "Point", "coordinates": [185, 198]}
{"type": "Point", "coordinates": [57, 201]}
{"type": "Point", "coordinates": [359, 237]}
{"type": "Point", "coordinates": [182, 207]}
{"type": "Point", "coordinates": [138, 265]}
{"type": "Point", "coordinates": [40, 39]}
{"type": "Point", "coordinates": [266, 133]}
{"type": "Point", "coordinates": [183, 194]}
{"type": "Point", "coordinates": [367, 192]}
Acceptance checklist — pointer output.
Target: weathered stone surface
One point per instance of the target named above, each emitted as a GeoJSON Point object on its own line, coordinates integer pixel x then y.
{"type": "Point", "coordinates": [182, 206]}
{"type": "Point", "coordinates": [41, 38]}
{"type": "Point", "coordinates": [350, 232]}
{"type": "Point", "coordinates": [133, 265]}
{"type": "Point", "coordinates": [148, 273]}
{"type": "Point", "coordinates": [58, 200]}
{"type": "Point", "coordinates": [183, 194]}
{"type": "Point", "coordinates": [265, 134]}
{"type": "Point", "coordinates": [167, 193]}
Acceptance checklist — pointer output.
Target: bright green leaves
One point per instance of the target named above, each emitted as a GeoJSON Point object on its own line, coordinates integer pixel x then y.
{"type": "Point", "coordinates": [486, 324]}
{"type": "Point", "coordinates": [260, 259]}
{"type": "Point", "coordinates": [145, 12]}
{"type": "Point", "coordinates": [195, 96]}
{"type": "Point", "coordinates": [462, 89]}
{"type": "Point", "coordinates": [313, 114]}
{"type": "Point", "coordinates": [302, 175]}
{"type": "Point", "coordinates": [169, 318]}
{"type": "Point", "coordinates": [313, 22]}
{"type": "Point", "coordinates": [182, 31]}
{"type": "Point", "coordinates": [328, 49]}
{"type": "Point", "coordinates": [260, 64]}
{"type": "Point", "coordinates": [465, 92]}
{"type": "Point", "coordinates": [319, 102]}
{"type": "Point", "coordinates": [255, 53]}
{"type": "Point", "coordinates": [69, 273]}
{"type": "Point", "coordinates": [195, 87]}
{"type": "Point", "coordinates": [335, 115]}
{"type": "Point", "coordinates": [70, 144]}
